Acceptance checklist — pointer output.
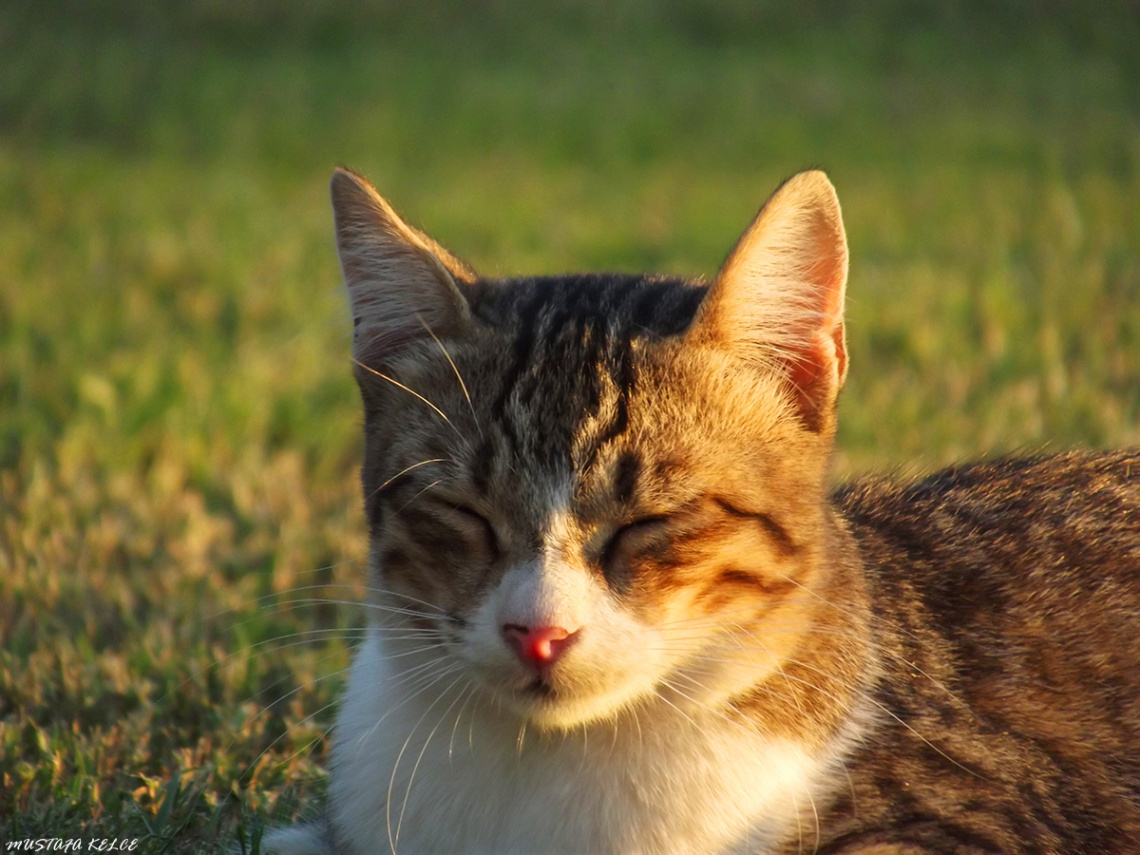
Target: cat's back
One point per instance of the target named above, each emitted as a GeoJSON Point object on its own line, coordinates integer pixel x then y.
{"type": "Point", "coordinates": [1055, 535]}
{"type": "Point", "coordinates": [1006, 603]}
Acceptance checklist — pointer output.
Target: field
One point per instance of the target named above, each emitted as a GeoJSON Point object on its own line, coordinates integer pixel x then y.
{"type": "Point", "coordinates": [180, 539]}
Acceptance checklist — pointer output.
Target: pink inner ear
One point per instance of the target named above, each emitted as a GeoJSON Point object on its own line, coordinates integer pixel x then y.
{"type": "Point", "coordinates": [805, 370]}
{"type": "Point", "coordinates": [838, 338]}
{"type": "Point", "coordinates": [781, 292]}
{"type": "Point", "coordinates": [817, 368]}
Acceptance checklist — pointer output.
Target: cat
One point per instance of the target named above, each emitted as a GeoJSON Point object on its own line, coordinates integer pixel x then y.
{"type": "Point", "coordinates": [614, 606]}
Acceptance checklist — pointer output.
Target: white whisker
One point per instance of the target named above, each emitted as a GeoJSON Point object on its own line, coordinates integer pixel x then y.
{"type": "Point", "coordinates": [408, 469]}
{"type": "Point", "coordinates": [416, 765]}
{"type": "Point", "coordinates": [434, 483]}
{"type": "Point", "coordinates": [400, 385]}
{"type": "Point", "coordinates": [252, 765]}
{"type": "Point", "coordinates": [393, 838]}
{"type": "Point", "coordinates": [470, 693]}
{"type": "Point", "coordinates": [458, 376]}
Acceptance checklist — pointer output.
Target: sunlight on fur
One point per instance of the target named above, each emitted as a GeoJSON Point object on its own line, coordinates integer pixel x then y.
{"type": "Point", "coordinates": [613, 606]}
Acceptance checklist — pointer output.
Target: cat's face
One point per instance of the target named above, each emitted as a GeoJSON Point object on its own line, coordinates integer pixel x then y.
{"type": "Point", "coordinates": [586, 492]}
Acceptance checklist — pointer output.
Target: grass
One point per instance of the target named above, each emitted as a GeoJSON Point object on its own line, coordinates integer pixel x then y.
{"type": "Point", "coordinates": [178, 428]}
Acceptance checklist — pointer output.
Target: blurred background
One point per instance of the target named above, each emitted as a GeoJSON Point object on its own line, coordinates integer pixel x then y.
{"type": "Point", "coordinates": [178, 425]}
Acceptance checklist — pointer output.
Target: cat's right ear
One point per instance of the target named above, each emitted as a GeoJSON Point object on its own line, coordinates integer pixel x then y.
{"type": "Point", "coordinates": [402, 285]}
{"type": "Point", "coordinates": [778, 299]}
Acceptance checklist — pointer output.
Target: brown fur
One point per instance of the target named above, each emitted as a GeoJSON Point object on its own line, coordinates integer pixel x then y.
{"type": "Point", "coordinates": [964, 647]}
{"type": "Point", "coordinates": [1007, 603]}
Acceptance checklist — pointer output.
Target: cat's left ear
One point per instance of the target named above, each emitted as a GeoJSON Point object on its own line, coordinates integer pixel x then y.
{"type": "Point", "coordinates": [778, 298]}
{"type": "Point", "coordinates": [402, 285]}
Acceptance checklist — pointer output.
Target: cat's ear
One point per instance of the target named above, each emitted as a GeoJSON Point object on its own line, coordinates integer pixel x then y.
{"type": "Point", "coordinates": [402, 285]}
{"type": "Point", "coordinates": [779, 296]}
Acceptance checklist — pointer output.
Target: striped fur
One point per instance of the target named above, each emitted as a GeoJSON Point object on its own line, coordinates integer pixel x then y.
{"type": "Point", "coordinates": [946, 666]}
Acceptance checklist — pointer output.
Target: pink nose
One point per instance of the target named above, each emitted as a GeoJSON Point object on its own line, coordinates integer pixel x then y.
{"type": "Point", "coordinates": [538, 646]}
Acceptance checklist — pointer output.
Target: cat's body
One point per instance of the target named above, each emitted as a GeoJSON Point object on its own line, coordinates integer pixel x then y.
{"type": "Point", "coordinates": [1007, 603]}
{"type": "Point", "coordinates": [614, 610]}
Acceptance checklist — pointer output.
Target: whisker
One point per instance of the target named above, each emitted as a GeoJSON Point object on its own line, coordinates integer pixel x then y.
{"type": "Point", "coordinates": [304, 637]}
{"type": "Point", "coordinates": [225, 660]}
{"type": "Point", "coordinates": [458, 376]}
{"type": "Point", "coordinates": [252, 765]}
{"type": "Point", "coordinates": [769, 690]}
{"type": "Point", "coordinates": [684, 714]}
{"type": "Point", "coordinates": [411, 676]}
{"type": "Point", "coordinates": [416, 765]}
{"type": "Point", "coordinates": [470, 693]}
{"type": "Point", "coordinates": [870, 699]}
{"type": "Point", "coordinates": [400, 385]}
{"type": "Point", "coordinates": [292, 692]}
{"type": "Point", "coordinates": [780, 669]}
{"type": "Point", "coordinates": [393, 839]}
{"type": "Point", "coordinates": [367, 589]}
{"type": "Point", "coordinates": [815, 816]}
{"type": "Point", "coordinates": [324, 734]}
{"type": "Point", "coordinates": [705, 707]}
{"type": "Point", "coordinates": [768, 628]}
{"type": "Point", "coordinates": [258, 601]}
{"type": "Point", "coordinates": [421, 492]}
{"type": "Point", "coordinates": [637, 724]}
{"type": "Point", "coordinates": [297, 602]}
{"type": "Point", "coordinates": [408, 469]}
{"type": "Point", "coordinates": [890, 624]}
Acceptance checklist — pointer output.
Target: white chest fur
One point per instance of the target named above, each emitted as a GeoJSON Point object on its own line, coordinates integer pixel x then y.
{"type": "Point", "coordinates": [425, 767]}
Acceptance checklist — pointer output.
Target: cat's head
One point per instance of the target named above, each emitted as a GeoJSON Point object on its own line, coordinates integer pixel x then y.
{"type": "Point", "coordinates": [588, 491]}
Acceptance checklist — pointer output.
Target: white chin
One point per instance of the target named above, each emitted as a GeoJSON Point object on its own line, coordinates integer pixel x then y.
{"type": "Point", "coordinates": [568, 711]}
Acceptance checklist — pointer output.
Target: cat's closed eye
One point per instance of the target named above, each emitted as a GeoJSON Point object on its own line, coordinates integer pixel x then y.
{"type": "Point", "coordinates": [630, 540]}
{"type": "Point", "coordinates": [456, 526]}
{"type": "Point", "coordinates": [477, 532]}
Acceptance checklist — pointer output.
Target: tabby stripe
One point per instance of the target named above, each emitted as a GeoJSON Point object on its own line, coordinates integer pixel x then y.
{"type": "Point", "coordinates": [734, 576]}
{"type": "Point", "coordinates": [590, 344]}
{"type": "Point", "coordinates": [483, 467]}
{"type": "Point", "coordinates": [625, 476]}
{"type": "Point", "coordinates": [726, 587]}
{"type": "Point", "coordinates": [620, 367]}
{"type": "Point", "coordinates": [777, 532]}
{"type": "Point", "coordinates": [521, 361]}
{"type": "Point", "coordinates": [647, 307]}
{"type": "Point", "coordinates": [931, 834]}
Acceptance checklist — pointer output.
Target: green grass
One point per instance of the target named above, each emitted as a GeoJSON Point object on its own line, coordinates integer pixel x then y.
{"type": "Point", "coordinates": [178, 426]}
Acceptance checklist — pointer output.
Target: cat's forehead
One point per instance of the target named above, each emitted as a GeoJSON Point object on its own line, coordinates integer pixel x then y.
{"type": "Point", "coordinates": [562, 359]}
{"type": "Point", "coordinates": [565, 392]}
{"type": "Point", "coordinates": [617, 303]}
